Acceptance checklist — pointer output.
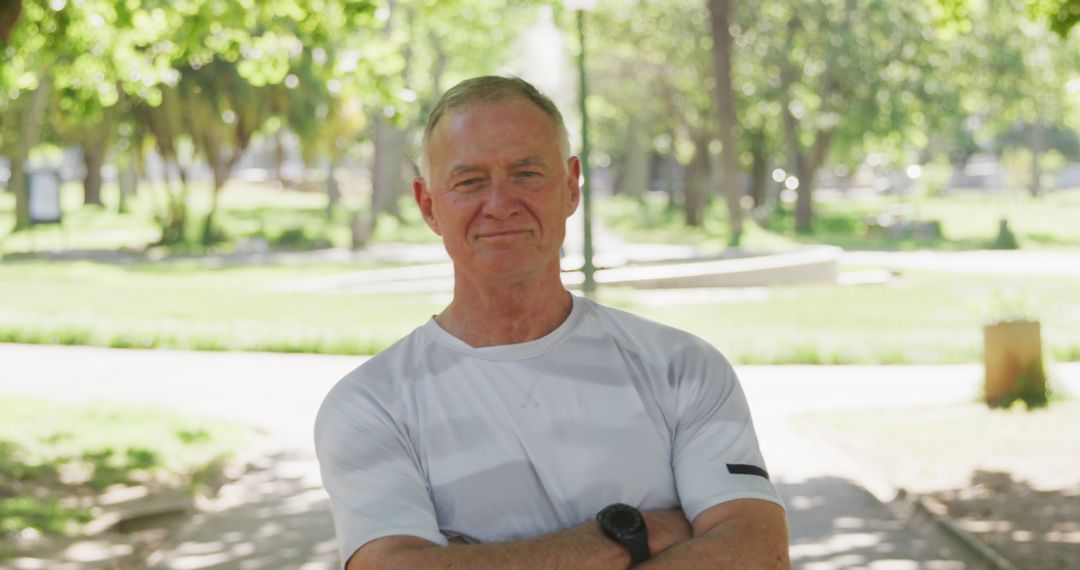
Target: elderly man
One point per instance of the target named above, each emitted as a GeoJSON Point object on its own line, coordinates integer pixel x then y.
{"type": "Point", "coordinates": [524, 427]}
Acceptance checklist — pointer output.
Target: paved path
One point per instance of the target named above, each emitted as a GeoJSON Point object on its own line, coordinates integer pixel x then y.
{"type": "Point", "coordinates": [1009, 262]}
{"type": "Point", "coordinates": [276, 516]}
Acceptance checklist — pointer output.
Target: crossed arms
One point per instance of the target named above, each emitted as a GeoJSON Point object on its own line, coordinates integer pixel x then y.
{"type": "Point", "coordinates": [748, 534]}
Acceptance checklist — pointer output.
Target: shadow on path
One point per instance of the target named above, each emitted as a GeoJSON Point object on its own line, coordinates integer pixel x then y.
{"type": "Point", "coordinates": [835, 524]}
{"type": "Point", "coordinates": [1032, 528]}
{"type": "Point", "coordinates": [275, 517]}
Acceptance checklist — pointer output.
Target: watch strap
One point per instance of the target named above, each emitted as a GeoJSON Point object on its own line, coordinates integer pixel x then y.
{"type": "Point", "coordinates": [638, 545]}
{"type": "Point", "coordinates": [635, 539]}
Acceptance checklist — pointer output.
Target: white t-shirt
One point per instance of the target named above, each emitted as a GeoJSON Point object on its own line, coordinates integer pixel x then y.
{"type": "Point", "coordinates": [433, 438]}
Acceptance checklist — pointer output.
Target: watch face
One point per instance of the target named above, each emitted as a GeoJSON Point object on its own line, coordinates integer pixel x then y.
{"type": "Point", "coordinates": [622, 520]}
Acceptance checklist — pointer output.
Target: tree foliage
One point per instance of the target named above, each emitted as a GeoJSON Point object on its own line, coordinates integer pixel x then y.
{"type": "Point", "coordinates": [220, 60]}
{"type": "Point", "coordinates": [812, 85]}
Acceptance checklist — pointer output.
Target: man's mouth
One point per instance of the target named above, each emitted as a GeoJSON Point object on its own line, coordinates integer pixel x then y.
{"type": "Point", "coordinates": [502, 234]}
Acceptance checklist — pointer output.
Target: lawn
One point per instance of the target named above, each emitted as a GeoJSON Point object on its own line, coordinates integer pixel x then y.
{"type": "Point", "coordinates": [55, 458]}
{"type": "Point", "coordinates": [189, 307]}
{"type": "Point", "coordinates": [968, 221]}
{"type": "Point", "coordinates": [922, 317]}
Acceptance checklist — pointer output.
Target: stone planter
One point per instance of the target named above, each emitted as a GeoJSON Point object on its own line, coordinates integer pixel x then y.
{"type": "Point", "coordinates": [1014, 366]}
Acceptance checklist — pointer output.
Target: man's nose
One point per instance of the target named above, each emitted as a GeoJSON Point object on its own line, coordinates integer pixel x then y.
{"type": "Point", "coordinates": [501, 201]}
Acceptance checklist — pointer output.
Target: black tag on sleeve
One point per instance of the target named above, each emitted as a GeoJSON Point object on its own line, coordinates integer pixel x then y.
{"type": "Point", "coordinates": [745, 469]}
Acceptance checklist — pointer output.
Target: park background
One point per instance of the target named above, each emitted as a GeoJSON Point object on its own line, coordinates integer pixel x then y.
{"type": "Point", "coordinates": [234, 176]}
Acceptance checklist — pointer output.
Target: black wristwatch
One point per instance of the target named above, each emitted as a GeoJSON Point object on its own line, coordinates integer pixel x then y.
{"type": "Point", "coordinates": [625, 525]}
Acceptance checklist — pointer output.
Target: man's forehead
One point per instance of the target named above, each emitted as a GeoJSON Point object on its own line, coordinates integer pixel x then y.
{"type": "Point", "coordinates": [480, 110]}
{"type": "Point", "coordinates": [513, 131]}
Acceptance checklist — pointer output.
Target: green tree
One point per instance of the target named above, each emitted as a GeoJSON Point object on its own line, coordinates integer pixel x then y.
{"type": "Point", "coordinates": [1022, 83]}
{"type": "Point", "coordinates": [846, 72]}
{"type": "Point", "coordinates": [656, 82]}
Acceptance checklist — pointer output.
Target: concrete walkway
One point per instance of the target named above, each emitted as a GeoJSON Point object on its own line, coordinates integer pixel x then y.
{"type": "Point", "coordinates": [276, 516]}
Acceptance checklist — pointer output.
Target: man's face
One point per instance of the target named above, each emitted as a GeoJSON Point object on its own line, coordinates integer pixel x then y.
{"type": "Point", "coordinates": [499, 190]}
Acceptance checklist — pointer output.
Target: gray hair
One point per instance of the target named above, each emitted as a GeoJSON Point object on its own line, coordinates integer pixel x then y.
{"type": "Point", "coordinates": [491, 89]}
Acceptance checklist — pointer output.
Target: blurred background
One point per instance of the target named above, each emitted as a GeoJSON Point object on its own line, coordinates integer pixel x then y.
{"type": "Point", "coordinates": [135, 132]}
{"type": "Point", "coordinates": [828, 182]}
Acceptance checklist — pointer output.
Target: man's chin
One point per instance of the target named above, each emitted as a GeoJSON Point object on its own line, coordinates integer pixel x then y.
{"type": "Point", "coordinates": [513, 261]}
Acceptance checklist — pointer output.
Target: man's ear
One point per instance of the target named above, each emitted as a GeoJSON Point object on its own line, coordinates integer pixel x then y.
{"type": "Point", "coordinates": [573, 184]}
{"type": "Point", "coordinates": [423, 200]}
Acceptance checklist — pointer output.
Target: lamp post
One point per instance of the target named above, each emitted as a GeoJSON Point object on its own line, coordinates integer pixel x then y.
{"type": "Point", "coordinates": [587, 268]}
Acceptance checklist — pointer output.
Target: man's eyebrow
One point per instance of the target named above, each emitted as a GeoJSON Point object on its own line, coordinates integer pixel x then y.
{"type": "Point", "coordinates": [462, 168]}
{"type": "Point", "coordinates": [530, 161]}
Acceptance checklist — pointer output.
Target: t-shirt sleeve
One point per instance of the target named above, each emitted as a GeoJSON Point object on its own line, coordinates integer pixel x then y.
{"type": "Point", "coordinates": [715, 452]}
{"type": "Point", "coordinates": [371, 472]}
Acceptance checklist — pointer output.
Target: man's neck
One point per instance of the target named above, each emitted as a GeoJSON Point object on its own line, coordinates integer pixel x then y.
{"type": "Point", "coordinates": [509, 313]}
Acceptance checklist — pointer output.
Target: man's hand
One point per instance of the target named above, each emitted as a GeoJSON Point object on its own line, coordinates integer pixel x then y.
{"type": "Point", "coordinates": [666, 529]}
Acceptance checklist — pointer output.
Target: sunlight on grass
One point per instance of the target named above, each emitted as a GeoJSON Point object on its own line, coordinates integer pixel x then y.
{"type": "Point", "coordinates": [240, 308]}
{"type": "Point", "coordinates": [54, 456]}
{"type": "Point", "coordinates": [923, 317]}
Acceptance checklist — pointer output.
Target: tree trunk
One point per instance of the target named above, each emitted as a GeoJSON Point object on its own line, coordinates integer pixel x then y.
{"type": "Point", "coordinates": [438, 67]}
{"type": "Point", "coordinates": [635, 179]}
{"type": "Point", "coordinates": [93, 156]}
{"type": "Point", "coordinates": [210, 235]}
{"type": "Point", "coordinates": [804, 203]}
{"type": "Point", "coordinates": [720, 12]}
{"type": "Point", "coordinates": [670, 171]}
{"type": "Point", "coordinates": [162, 122]}
{"type": "Point", "coordinates": [173, 221]}
{"type": "Point", "coordinates": [695, 196]}
{"type": "Point", "coordinates": [127, 178]}
{"type": "Point", "coordinates": [796, 162]}
{"type": "Point", "coordinates": [279, 156]}
{"type": "Point", "coordinates": [759, 168]}
{"type": "Point", "coordinates": [333, 191]}
{"type": "Point", "coordinates": [220, 165]}
{"type": "Point", "coordinates": [1038, 143]}
{"type": "Point", "coordinates": [9, 15]}
{"type": "Point", "coordinates": [809, 165]}
{"type": "Point", "coordinates": [387, 180]}
{"type": "Point", "coordinates": [29, 134]}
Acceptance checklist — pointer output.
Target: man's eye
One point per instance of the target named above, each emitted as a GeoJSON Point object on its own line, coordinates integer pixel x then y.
{"type": "Point", "coordinates": [528, 174]}
{"type": "Point", "coordinates": [469, 183]}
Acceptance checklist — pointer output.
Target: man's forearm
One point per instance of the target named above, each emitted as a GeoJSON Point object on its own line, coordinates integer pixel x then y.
{"type": "Point", "coordinates": [756, 540]}
{"type": "Point", "coordinates": [583, 547]}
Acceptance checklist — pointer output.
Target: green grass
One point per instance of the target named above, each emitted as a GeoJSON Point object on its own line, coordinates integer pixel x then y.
{"type": "Point", "coordinates": [186, 307]}
{"type": "Point", "coordinates": [285, 218]}
{"type": "Point", "coordinates": [923, 317]}
{"type": "Point", "coordinates": [968, 221]}
{"type": "Point", "coordinates": [54, 457]}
